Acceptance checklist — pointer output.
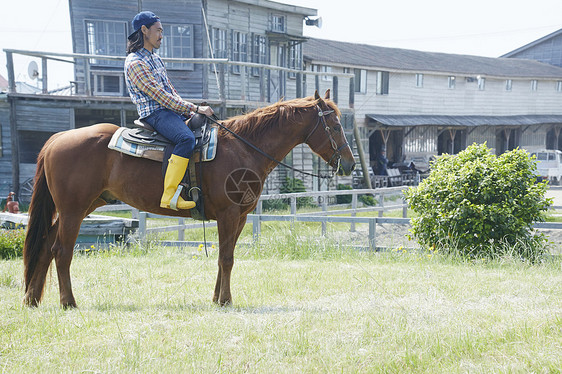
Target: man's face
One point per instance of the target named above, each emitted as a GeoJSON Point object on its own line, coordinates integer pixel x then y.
{"type": "Point", "coordinates": [152, 36]}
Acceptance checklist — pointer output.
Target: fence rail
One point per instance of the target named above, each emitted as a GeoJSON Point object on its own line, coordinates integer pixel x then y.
{"type": "Point", "coordinates": [323, 217]}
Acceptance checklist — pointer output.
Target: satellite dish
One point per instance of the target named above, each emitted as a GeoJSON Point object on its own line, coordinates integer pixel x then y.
{"type": "Point", "coordinates": [33, 70]}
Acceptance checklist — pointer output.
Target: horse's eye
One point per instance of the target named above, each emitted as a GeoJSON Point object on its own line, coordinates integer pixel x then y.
{"type": "Point", "coordinates": [337, 128]}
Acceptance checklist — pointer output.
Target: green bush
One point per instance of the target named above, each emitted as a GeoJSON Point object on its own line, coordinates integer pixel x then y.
{"type": "Point", "coordinates": [277, 204]}
{"type": "Point", "coordinates": [11, 243]}
{"type": "Point", "coordinates": [368, 200]}
{"type": "Point", "coordinates": [291, 185]}
{"type": "Point", "coordinates": [474, 201]}
{"type": "Point", "coordinates": [344, 199]}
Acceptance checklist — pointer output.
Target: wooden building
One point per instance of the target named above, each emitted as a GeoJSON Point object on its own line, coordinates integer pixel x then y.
{"type": "Point", "coordinates": [235, 55]}
{"type": "Point", "coordinates": [547, 49]}
{"type": "Point", "coordinates": [420, 104]}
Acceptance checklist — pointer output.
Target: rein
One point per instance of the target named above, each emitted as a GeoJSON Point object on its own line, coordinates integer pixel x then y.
{"type": "Point", "coordinates": [333, 143]}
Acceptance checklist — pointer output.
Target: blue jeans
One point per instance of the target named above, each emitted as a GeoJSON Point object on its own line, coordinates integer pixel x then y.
{"type": "Point", "coordinates": [172, 126]}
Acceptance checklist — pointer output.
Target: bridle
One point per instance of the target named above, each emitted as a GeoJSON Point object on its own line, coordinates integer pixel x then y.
{"type": "Point", "coordinates": [337, 150]}
{"type": "Point", "coordinates": [333, 143]}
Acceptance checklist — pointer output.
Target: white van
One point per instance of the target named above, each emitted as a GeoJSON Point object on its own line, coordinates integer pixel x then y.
{"type": "Point", "coordinates": [549, 165]}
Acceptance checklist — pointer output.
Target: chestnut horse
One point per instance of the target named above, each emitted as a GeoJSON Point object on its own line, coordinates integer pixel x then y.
{"type": "Point", "coordinates": [77, 173]}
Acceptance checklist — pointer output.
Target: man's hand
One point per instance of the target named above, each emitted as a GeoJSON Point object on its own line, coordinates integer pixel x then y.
{"type": "Point", "coordinates": [206, 110]}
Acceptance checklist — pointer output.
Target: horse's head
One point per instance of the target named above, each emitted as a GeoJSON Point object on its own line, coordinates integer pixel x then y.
{"type": "Point", "coordinates": [327, 138]}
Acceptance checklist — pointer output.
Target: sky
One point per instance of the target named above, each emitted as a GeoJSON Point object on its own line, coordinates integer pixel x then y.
{"type": "Point", "coordinates": [477, 27]}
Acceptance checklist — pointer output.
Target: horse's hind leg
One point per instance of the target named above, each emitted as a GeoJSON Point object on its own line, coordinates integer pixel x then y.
{"type": "Point", "coordinates": [35, 288]}
{"type": "Point", "coordinates": [62, 250]}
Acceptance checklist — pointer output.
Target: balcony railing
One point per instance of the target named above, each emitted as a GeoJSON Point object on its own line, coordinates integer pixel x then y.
{"type": "Point", "coordinates": [252, 82]}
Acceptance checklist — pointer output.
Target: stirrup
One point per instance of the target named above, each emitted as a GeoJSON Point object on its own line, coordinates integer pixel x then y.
{"type": "Point", "coordinates": [175, 198]}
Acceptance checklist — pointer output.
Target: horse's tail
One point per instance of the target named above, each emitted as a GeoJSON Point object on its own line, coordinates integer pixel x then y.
{"type": "Point", "coordinates": [41, 214]}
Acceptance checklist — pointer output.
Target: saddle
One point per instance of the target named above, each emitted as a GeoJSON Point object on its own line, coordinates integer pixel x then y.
{"type": "Point", "coordinates": [144, 142]}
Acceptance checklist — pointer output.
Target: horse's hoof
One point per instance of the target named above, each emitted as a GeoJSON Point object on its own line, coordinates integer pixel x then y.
{"type": "Point", "coordinates": [30, 302]}
{"type": "Point", "coordinates": [69, 305]}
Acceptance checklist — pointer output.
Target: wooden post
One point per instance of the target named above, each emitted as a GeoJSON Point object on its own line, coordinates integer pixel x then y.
{"type": "Point", "coordinates": [324, 209]}
{"type": "Point", "coordinates": [293, 205]}
{"type": "Point", "coordinates": [142, 226]}
{"type": "Point", "coordinates": [256, 227]}
{"type": "Point", "coordinates": [243, 72]}
{"type": "Point", "coordinates": [87, 78]}
{"type": "Point", "coordinates": [15, 146]}
{"type": "Point", "coordinates": [263, 92]}
{"type": "Point", "coordinates": [44, 80]}
{"type": "Point", "coordinates": [181, 232]}
{"type": "Point", "coordinates": [335, 86]}
{"type": "Point", "coordinates": [299, 85]}
{"type": "Point", "coordinates": [352, 93]}
{"type": "Point", "coordinates": [357, 137]}
{"type": "Point", "coordinates": [317, 83]}
{"type": "Point", "coordinates": [373, 234]}
{"type": "Point", "coordinates": [353, 214]}
{"type": "Point", "coordinates": [364, 164]}
{"type": "Point", "coordinates": [11, 75]}
{"type": "Point", "coordinates": [381, 204]}
{"type": "Point", "coordinates": [222, 90]}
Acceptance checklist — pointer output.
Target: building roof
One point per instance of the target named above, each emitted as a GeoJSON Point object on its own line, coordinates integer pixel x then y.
{"type": "Point", "coordinates": [533, 43]}
{"type": "Point", "coordinates": [281, 7]}
{"type": "Point", "coordinates": [463, 121]}
{"type": "Point", "coordinates": [320, 51]}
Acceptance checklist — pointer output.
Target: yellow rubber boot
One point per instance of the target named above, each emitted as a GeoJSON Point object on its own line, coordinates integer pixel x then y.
{"type": "Point", "coordinates": [171, 198]}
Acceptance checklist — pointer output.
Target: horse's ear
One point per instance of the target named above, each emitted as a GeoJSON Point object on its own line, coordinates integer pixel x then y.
{"type": "Point", "coordinates": [317, 96]}
{"type": "Point", "coordinates": [327, 95]}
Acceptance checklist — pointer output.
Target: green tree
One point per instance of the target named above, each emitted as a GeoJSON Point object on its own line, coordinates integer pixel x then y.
{"type": "Point", "coordinates": [477, 204]}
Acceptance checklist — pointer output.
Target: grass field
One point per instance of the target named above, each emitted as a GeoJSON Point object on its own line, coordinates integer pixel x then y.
{"type": "Point", "coordinates": [319, 308]}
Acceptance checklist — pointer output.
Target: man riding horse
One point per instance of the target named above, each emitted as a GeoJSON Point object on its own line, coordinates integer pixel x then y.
{"type": "Point", "coordinates": [159, 104]}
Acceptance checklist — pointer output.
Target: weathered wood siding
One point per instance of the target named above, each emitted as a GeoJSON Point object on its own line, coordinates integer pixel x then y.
{"type": "Point", "coordinates": [465, 99]}
{"type": "Point", "coordinates": [6, 154]}
{"type": "Point", "coordinates": [188, 83]}
{"type": "Point", "coordinates": [251, 20]}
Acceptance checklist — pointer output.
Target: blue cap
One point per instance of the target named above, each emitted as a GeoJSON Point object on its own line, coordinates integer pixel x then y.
{"type": "Point", "coordinates": [143, 18]}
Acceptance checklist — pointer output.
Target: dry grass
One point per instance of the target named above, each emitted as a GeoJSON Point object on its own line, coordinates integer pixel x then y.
{"type": "Point", "coordinates": [329, 311]}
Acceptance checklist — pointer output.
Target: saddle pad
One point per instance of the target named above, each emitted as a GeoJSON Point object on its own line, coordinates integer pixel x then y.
{"type": "Point", "coordinates": [123, 142]}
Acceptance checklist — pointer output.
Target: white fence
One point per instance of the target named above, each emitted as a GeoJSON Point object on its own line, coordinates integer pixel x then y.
{"type": "Point", "coordinates": [323, 216]}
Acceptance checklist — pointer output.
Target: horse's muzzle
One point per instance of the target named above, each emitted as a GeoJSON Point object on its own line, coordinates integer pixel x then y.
{"type": "Point", "coordinates": [346, 167]}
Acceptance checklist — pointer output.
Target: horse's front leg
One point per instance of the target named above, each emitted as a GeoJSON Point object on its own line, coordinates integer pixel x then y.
{"type": "Point", "coordinates": [230, 226]}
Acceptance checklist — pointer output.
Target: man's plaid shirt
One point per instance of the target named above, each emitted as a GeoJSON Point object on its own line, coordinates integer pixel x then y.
{"type": "Point", "coordinates": [149, 86]}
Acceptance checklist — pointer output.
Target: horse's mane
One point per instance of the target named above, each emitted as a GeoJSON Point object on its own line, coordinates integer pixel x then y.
{"type": "Point", "coordinates": [257, 122]}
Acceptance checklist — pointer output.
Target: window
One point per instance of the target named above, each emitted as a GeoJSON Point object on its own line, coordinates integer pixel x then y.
{"type": "Point", "coordinates": [324, 69]}
{"type": "Point", "coordinates": [382, 82]}
{"type": "Point", "coordinates": [259, 52]}
{"type": "Point", "coordinates": [218, 37]}
{"type": "Point", "coordinates": [295, 58]}
{"type": "Point", "coordinates": [278, 23]}
{"type": "Point", "coordinates": [108, 83]}
{"type": "Point", "coordinates": [508, 85]}
{"type": "Point", "coordinates": [451, 82]}
{"type": "Point", "coordinates": [177, 43]}
{"type": "Point", "coordinates": [559, 86]}
{"type": "Point", "coordinates": [481, 83]}
{"type": "Point", "coordinates": [106, 38]}
{"type": "Point", "coordinates": [360, 80]}
{"type": "Point", "coordinates": [419, 80]}
{"type": "Point", "coordinates": [534, 85]}
{"type": "Point", "coordinates": [239, 49]}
